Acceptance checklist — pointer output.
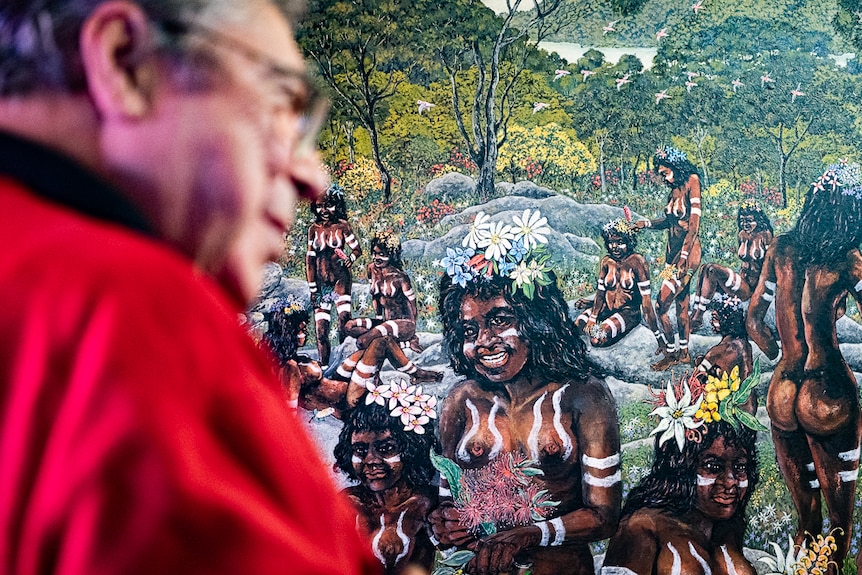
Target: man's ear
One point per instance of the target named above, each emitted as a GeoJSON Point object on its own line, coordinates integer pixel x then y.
{"type": "Point", "coordinates": [115, 40]}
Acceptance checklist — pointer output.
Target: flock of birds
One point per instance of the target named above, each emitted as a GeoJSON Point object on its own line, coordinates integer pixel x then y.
{"type": "Point", "coordinates": [690, 83]}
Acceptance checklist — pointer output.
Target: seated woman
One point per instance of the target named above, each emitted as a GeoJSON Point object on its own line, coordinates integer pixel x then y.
{"type": "Point", "coordinates": [529, 391]}
{"type": "Point", "coordinates": [389, 457]}
{"type": "Point", "coordinates": [687, 516]}
{"type": "Point", "coordinates": [622, 289]}
{"type": "Point", "coordinates": [734, 351]}
{"type": "Point", "coordinates": [755, 235]}
{"type": "Point", "coordinates": [303, 380]}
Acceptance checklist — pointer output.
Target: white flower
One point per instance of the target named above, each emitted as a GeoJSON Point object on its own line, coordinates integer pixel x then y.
{"type": "Point", "coordinates": [428, 407]}
{"type": "Point", "coordinates": [676, 416]}
{"type": "Point", "coordinates": [479, 233]}
{"type": "Point", "coordinates": [415, 424]}
{"type": "Point", "coordinates": [400, 391]}
{"type": "Point", "coordinates": [405, 412]}
{"type": "Point", "coordinates": [521, 275]}
{"type": "Point", "coordinates": [376, 394]}
{"type": "Point", "coordinates": [783, 563]}
{"type": "Point", "coordinates": [533, 227]}
{"type": "Point", "coordinates": [499, 241]}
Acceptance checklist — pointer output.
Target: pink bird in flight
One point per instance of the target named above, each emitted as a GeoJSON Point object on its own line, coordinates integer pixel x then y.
{"type": "Point", "coordinates": [586, 74]}
{"type": "Point", "coordinates": [661, 34]}
{"type": "Point", "coordinates": [560, 74]}
{"type": "Point", "coordinates": [539, 106]}
{"type": "Point", "coordinates": [697, 7]}
{"type": "Point", "coordinates": [737, 84]}
{"type": "Point", "coordinates": [765, 79]}
{"type": "Point", "coordinates": [796, 93]}
{"type": "Point", "coordinates": [622, 81]}
{"type": "Point", "coordinates": [659, 96]}
{"type": "Point", "coordinates": [424, 106]}
{"type": "Point", "coordinates": [609, 27]}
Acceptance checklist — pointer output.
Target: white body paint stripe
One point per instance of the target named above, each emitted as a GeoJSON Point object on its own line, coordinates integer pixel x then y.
{"type": "Point", "coordinates": [695, 200]}
{"type": "Point", "coordinates": [558, 423]}
{"type": "Point", "coordinates": [375, 543]}
{"type": "Point", "coordinates": [852, 455]}
{"type": "Point", "coordinates": [533, 438]}
{"type": "Point", "coordinates": [676, 568]}
{"type": "Point", "coordinates": [617, 571]}
{"type": "Point", "coordinates": [474, 429]}
{"type": "Point", "coordinates": [809, 466]}
{"type": "Point", "coordinates": [848, 476]}
{"type": "Point", "coordinates": [344, 298]}
{"type": "Point", "coordinates": [609, 481]}
{"type": "Point", "coordinates": [704, 565]}
{"type": "Point", "coordinates": [701, 480]}
{"type": "Point", "coordinates": [814, 484]}
{"type": "Point", "coordinates": [393, 459]}
{"type": "Point", "coordinates": [559, 531]}
{"type": "Point", "coordinates": [769, 285]}
{"type": "Point", "coordinates": [394, 327]}
{"type": "Point", "coordinates": [492, 427]}
{"type": "Point", "coordinates": [743, 484]}
{"type": "Point", "coordinates": [858, 286]}
{"type": "Point", "coordinates": [601, 463]}
{"type": "Point", "coordinates": [355, 459]}
{"type": "Point", "coordinates": [321, 316]}
{"type": "Point", "coordinates": [644, 283]}
{"type": "Point", "coordinates": [343, 307]}
{"type": "Point", "coordinates": [621, 320]}
{"type": "Point", "coordinates": [405, 541]}
{"type": "Point", "coordinates": [695, 211]}
{"type": "Point", "coordinates": [511, 332]}
{"type": "Point", "coordinates": [546, 533]}
{"type": "Point", "coordinates": [443, 492]}
{"type": "Point", "coordinates": [728, 562]}
{"type": "Point", "coordinates": [768, 297]}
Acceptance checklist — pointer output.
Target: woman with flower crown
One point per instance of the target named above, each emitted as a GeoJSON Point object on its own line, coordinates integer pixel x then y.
{"type": "Point", "coordinates": [392, 296]}
{"type": "Point", "coordinates": [754, 235]}
{"type": "Point", "coordinates": [332, 249]}
{"type": "Point", "coordinates": [687, 516]}
{"type": "Point", "coordinates": [385, 447]}
{"type": "Point", "coordinates": [813, 400]}
{"type": "Point", "coordinates": [622, 289]}
{"type": "Point", "coordinates": [529, 392]}
{"type": "Point", "coordinates": [681, 219]}
{"type": "Point", "coordinates": [304, 383]}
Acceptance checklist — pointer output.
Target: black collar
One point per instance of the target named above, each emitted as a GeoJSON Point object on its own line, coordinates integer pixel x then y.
{"type": "Point", "coordinates": [57, 178]}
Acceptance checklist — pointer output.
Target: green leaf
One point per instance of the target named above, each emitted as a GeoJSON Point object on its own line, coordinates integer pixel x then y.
{"type": "Point", "coordinates": [444, 570]}
{"type": "Point", "coordinates": [529, 290]}
{"type": "Point", "coordinates": [450, 472]}
{"type": "Point", "coordinates": [532, 471]}
{"type": "Point", "coordinates": [488, 527]}
{"type": "Point", "coordinates": [750, 421]}
{"type": "Point", "coordinates": [727, 415]}
{"type": "Point", "coordinates": [458, 558]}
{"type": "Point", "coordinates": [746, 387]}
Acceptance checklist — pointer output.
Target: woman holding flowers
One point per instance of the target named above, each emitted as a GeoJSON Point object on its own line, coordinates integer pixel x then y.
{"type": "Point", "coordinates": [389, 458]}
{"type": "Point", "coordinates": [681, 219]}
{"type": "Point", "coordinates": [622, 289]}
{"type": "Point", "coordinates": [332, 249]}
{"type": "Point", "coordinates": [687, 516]}
{"type": "Point", "coordinates": [755, 235]}
{"type": "Point", "coordinates": [530, 399]}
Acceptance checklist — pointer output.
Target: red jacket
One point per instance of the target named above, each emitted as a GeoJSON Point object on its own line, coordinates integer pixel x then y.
{"type": "Point", "coordinates": [140, 429]}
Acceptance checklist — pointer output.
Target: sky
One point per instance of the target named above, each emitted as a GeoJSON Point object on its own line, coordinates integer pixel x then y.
{"type": "Point", "coordinates": [500, 5]}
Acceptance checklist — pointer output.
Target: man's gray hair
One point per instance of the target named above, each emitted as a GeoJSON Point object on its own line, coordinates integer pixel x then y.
{"type": "Point", "coordinates": [39, 38]}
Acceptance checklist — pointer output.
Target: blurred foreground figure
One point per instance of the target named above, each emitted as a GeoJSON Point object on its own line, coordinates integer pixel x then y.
{"type": "Point", "coordinates": [150, 156]}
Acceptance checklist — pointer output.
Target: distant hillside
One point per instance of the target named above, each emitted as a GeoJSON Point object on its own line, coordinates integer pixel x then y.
{"type": "Point", "coordinates": [805, 22]}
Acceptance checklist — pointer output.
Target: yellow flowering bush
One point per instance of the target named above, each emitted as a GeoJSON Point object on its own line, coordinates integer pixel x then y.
{"type": "Point", "coordinates": [716, 390]}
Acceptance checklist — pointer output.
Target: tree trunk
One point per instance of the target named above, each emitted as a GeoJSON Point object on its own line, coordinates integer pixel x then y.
{"type": "Point", "coordinates": [385, 177]}
{"type": "Point", "coordinates": [485, 182]}
{"type": "Point", "coordinates": [782, 178]}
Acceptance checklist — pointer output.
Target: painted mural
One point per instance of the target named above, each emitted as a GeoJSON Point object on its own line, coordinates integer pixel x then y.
{"type": "Point", "coordinates": [596, 279]}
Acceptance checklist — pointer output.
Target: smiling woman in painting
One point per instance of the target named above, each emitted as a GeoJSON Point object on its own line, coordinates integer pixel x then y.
{"type": "Point", "coordinates": [681, 219]}
{"type": "Point", "coordinates": [687, 516]}
{"type": "Point", "coordinates": [529, 392]}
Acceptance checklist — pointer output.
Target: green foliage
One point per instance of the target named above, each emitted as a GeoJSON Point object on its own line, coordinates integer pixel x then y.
{"type": "Point", "coordinates": [560, 157]}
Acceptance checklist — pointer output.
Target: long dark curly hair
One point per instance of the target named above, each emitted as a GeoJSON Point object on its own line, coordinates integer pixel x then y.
{"type": "Point", "coordinates": [556, 351]}
{"type": "Point", "coordinates": [672, 482]}
{"type": "Point", "coordinates": [760, 217]}
{"type": "Point", "coordinates": [282, 333]}
{"type": "Point", "coordinates": [730, 314]}
{"type": "Point", "coordinates": [414, 448]}
{"type": "Point", "coordinates": [829, 226]}
{"type": "Point", "coordinates": [682, 169]}
{"type": "Point", "coordinates": [334, 196]}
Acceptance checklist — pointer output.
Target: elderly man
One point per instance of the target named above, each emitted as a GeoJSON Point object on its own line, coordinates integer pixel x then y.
{"type": "Point", "coordinates": [150, 155]}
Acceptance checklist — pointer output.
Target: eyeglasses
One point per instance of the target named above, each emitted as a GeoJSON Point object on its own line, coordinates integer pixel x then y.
{"type": "Point", "coordinates": [307, 102]}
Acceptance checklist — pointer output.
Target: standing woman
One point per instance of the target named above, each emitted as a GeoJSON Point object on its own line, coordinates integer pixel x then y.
{"type": "Point", "coordinates": [332, 249]}
{"type": "Point", "coordinates": [530, 390]}
{"type": "Point", "coordinates": [755, 235]}
{"type": "Point", "coordinates": [681, 219]}
{"type": "Point", "coordinates": [392, 295]}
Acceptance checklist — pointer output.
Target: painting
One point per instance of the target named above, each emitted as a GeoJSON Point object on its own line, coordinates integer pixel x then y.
{"type": "Point", "coordinates": [584, 294]}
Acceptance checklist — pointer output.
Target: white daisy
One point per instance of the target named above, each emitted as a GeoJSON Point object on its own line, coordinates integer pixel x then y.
{"type": "Point", "coordinates": [479, 232]}
{"type": "Point", "coordinates": [521, 275]}
{"type": "Point", "coordinates": [533, 227]}
{"type": "Point", "coordinates": [499, 241]}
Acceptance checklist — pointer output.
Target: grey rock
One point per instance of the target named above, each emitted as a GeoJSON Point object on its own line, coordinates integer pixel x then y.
{"type": "Point", "coordinates": [450, 187]}
{"type": "Point", "coordinates": [531, 190]}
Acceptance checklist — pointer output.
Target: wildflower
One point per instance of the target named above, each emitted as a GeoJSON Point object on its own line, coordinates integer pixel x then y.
{"type": "Point", "coordinates": [532, 228]}
{"type": "Point", "coordinates": [521, 275]}
{"type": "Point", "coordinates": [415, 424]}
{"type": "Point", "coordinates": [479, 233]}
{"type": "Point", "coordinates": [499, 241]}
{"type": "Point", "coordinates": [376, 394]}
{"type": "Point", "coordinates": [676, 416]}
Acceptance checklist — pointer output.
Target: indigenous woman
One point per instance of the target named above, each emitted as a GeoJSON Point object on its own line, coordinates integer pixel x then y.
{"type": "Point", "coordinates": [681, 219]}
{"type": "Point", "coordinates": [392, 295]}
{"type": "Point", "coordinates": [302, 377]}
{"type": "Point", "coordinates": [529, 391]}
{"type": "Point", "coordinates": [389, 457]}
{"type": "Point", "coordinates": [813, 402]}
{"type": "Point", "coordinates": [687, 516]}
{"type": "Point", "coordinates": [733, 354]}
{"type": "Point", "coordinates": [332, 249]}
{"type": "Point", "coordinates": [755, 235]}
{"type": "Point", "coordinates": [622, 290]}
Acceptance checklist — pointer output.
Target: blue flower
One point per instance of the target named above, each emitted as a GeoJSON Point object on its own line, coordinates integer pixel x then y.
{"type": "Point", "coordinates": [517, 251]}
{"type": "Point", "coordinates": [462, 276]}
{"type": "Point", "coordinates": [506, 267]}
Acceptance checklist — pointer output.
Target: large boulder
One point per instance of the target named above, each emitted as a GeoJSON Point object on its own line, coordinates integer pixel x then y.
{"type": "Point", "coordinates": [449, 187]}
